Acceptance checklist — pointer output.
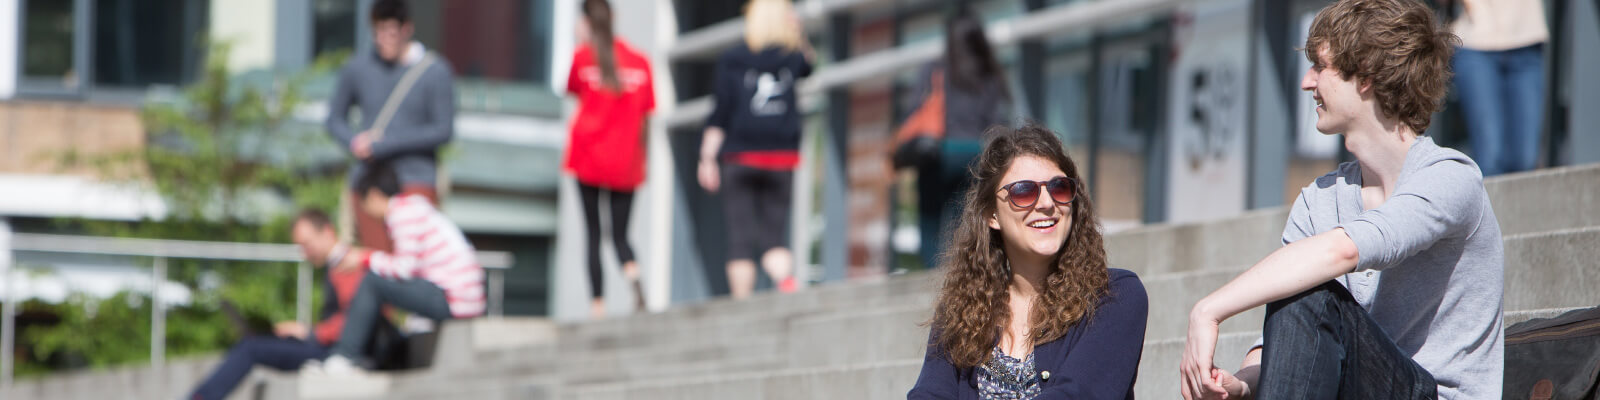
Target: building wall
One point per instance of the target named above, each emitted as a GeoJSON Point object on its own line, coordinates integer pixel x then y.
{"type": "Point", "coordinates": [8, 48]}
{"type": "Point", "coordinates": [249, 24]}
{"type": "Point", "coordinates": [34, 135]}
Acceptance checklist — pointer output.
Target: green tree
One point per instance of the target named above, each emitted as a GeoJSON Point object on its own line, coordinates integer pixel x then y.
{"type": "Point", "coordinates": [223, 154]}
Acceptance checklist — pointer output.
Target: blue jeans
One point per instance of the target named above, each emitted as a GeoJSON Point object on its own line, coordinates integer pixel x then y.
{"type": "Point", "coordinates": [1321, 344]}
{"type": "Point", "coordinates": [415, 295]}
{"type": "Point", "coordinates": [279, 353]}
{"type": "Point", "coordinates": [1502, 101]}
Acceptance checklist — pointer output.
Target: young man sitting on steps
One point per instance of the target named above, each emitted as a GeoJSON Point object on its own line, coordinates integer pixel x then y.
{"type": "Point", "coordinates": [1389, 284]}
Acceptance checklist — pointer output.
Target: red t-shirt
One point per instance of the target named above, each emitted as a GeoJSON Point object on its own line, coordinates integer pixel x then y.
{"type": "Point", "coordinates": [345, 284]}
{"type": "Point", "coordinates": [604, 148]}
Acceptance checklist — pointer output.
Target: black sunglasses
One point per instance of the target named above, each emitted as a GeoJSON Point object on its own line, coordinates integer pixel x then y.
{"type": "Point", "coordinates": [1024, 194]}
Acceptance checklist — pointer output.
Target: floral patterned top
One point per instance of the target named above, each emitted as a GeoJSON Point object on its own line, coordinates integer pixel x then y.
{"type": "Point", "coordinates": [1007, 378]}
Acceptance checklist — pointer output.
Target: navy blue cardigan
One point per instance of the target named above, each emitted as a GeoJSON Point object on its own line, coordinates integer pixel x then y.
{"type": "Point", "coordinates": [1094, 360]}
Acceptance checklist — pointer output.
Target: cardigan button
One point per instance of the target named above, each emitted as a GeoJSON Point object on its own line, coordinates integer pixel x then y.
{"type": "Point", "coordinates": [1045, 375]}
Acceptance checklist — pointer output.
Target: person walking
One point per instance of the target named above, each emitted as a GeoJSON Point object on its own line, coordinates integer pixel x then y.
{"type": "Point", "coordinates": [751, 144]}
{"type": "Point", "coordinates": [606, 147]}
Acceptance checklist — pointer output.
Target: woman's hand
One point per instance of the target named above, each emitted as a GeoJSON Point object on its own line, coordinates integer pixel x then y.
{"type": "Point", "coordinates": [1234, 387]}
{"type": "Point", "coordinates": [1200, 377]}
{"type": "Point", "coordinates": [710, 175]}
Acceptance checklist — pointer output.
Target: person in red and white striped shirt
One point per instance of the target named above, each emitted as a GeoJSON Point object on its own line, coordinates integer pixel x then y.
{"type": "Point", "coordinates": [432, 272]}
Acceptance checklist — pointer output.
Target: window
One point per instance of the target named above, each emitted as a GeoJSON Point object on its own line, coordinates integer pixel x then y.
{"type": "Point", "coordinates": [50, 42]}
{"type": "Point", "coordinates": [334, 25]}
{"type": "Point", "coordinates": [499, 49]}
{"type": "Point", "coordinates": [137, 44]}
{"type": "Point", "coordinates": [68, 46]}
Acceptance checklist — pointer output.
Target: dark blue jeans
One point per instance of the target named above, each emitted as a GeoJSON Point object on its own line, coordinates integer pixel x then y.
{"type": "Point", "coordinates": [415, 295]}
{"type": "Point", "coordinates": [1502, 101]}
{"type": "Point", "coordinates": [278, 353]}
{"type": "Point", "coordinates": [1321, 344]}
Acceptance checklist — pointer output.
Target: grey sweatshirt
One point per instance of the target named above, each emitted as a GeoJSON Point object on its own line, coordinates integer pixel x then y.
{"type": "Point", "coordinates": [1431, 269]}
{"type": "Point", "coordinates": [422, 123]}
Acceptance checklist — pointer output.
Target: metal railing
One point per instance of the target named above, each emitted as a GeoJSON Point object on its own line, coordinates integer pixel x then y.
{"type": "Point", "coordinates": [494, 262]}
{"type": "Point", "coordinates": [1062, 19]}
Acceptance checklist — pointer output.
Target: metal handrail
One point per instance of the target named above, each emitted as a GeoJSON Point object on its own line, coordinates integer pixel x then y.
{"type": "Point", "coordinates": [496, 262]}
{"type": "Point", "coordinates": [1066, 18]}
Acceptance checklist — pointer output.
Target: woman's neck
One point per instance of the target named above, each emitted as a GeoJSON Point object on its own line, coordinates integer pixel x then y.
{"type": "Point", "coordinates": [1027, 276]}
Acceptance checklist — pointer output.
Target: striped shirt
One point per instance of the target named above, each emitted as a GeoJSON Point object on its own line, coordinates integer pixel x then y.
{"type": "Point", "coordinates": [428, 246]}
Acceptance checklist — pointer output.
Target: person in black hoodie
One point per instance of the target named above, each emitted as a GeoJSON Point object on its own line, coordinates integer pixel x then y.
{"type": "Point", "coordinates": [752, 142]}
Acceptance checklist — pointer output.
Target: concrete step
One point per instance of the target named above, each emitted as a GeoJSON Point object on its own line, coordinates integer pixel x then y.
{"type": "Point", "coordinates": [1158, 249]}
{"type": "Point", "coordinates": [1553, 269]}
{"type": "Point", "coordinates": [754, 352]}
{"type": "Point", "coordinates": [1546, 200]}
{"type": "Point", "coordinates": [907, 289]}
{"type": "Point", "coordinates": [1158, 365]}
{"type": "Point", "coordinates": [885, 380]}
{"type": "Point", "coordinates": [868, 335]}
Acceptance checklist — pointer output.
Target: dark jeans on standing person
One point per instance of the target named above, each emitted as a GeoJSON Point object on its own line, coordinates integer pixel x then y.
{"type": "Point", "coordinates": [1321, 344]}
{"type": "Point", "coordinates": [621, 204]}
{"type": "Point", "coordinates": [278, 353]}
{"type": "Point", "coordinates": [1502, 101]}
{"type": "Point", "coordinates": [415, 295]}
{"type": "Point", "coordinates": [941, 183]}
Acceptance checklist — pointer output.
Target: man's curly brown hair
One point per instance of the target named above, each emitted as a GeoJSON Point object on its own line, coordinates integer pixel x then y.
{"type": "Point", "coordinates": [1397, 46]}
{"type": "Point", "coordinates": [973, 304]}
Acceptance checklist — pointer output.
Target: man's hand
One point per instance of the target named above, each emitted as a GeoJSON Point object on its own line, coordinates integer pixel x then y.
{"type": "Point", "coordinates": [1200, 379]}
{"type": "Point", "coordinates": [290, 329]}
{"type": "Point", "coordinates": [710, 175]}
{"type": "Point", "coordinates": [361, 146]}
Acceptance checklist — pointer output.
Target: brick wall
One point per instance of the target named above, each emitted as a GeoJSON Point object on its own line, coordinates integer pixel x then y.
{"type": "Point", "coordinates": [35, 134]}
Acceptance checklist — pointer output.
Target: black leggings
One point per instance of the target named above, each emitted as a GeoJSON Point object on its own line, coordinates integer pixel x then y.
{"type": "Point", "coordinates": [621, 203]}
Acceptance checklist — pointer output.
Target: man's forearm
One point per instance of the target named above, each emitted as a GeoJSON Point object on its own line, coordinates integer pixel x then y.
{"type": "Point", "coordinates": [1291, 269]}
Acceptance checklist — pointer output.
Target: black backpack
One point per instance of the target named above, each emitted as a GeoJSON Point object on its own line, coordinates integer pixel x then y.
{"type": "Point", "coordinates": [1554, 358]}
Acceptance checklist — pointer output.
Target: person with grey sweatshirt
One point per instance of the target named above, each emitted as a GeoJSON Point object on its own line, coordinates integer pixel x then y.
{"type": "Point", "coordinates": [421, 121]}
{"type": "Point", "coordinates": [1390, 283]}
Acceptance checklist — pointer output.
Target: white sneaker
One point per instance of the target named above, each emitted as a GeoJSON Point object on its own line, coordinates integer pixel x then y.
{"type": "Point", "coordinates": [338, 365]}
{"type": "Point", "coordinates": [338, 377]}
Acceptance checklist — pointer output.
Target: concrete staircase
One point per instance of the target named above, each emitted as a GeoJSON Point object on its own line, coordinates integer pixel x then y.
{"type": "Point", "coordinates": [864, 340]}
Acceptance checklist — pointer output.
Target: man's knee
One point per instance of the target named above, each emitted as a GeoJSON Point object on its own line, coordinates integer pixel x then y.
{"type": "Point", "coordinates": [1305, 309]}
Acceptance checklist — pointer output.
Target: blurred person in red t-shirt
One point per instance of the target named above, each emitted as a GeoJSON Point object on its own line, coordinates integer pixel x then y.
{"type": "Point", "coordinates": [606, 150]}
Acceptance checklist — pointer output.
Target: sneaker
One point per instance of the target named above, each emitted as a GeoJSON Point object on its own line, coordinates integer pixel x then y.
{"type": "Point", "coordinates": [788, 285]}
{"type": "Point", "coordinates": [339, 365]}
{"type": "Point", "coordinates": [638, 296]}
{"type": "Point", "coordinates": [339, 377]}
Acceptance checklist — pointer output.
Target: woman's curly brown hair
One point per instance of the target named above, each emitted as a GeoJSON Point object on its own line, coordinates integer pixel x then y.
{"type": "Point", "coordinates": [1397, 46]}
{"type": "Point", "coordinates": [973, 304]}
